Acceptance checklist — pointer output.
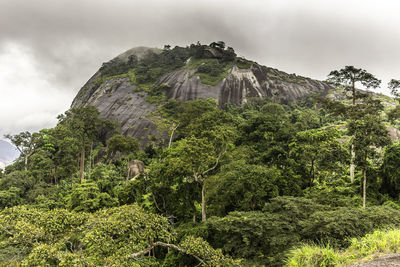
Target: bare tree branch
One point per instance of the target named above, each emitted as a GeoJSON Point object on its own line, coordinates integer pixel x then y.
{"type": "Point", "coordinates": [215, 165]}
{"type": "Point", "coordinates": [162, 244]}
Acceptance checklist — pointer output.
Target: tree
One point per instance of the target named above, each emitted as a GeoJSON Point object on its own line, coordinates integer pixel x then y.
{"type": "Point", "coordinates": [194, 158]}
{"type": "Point", "coordinates": [394, 114]}
{"type": "Point", "coordinates": [85, 124]}
{"type": "Point", "coordinates": [310, 146]}
{"type": "Point", "coordinates": [26, 144]}
{"type": "Point", "coordinates": [87, 197]}
{"type": "Point", "coordinates": [175, 117]}
{"type": "Point", "coordinates": [121, 143]}
{"type": "Point", "coordinates": [394, 86]}
{"type": "Point", "coordinates": [390, 171]}
{"type": "Point", "coordinates": [369, 134]}
{"type": "Point", "coordinates": [349, 77]}
{"type": "Point", "coordinates": [219, 44]}
{"type": "Point", "coordinates": [208, 135]}
{"type": "Point", "coordinates": [240, 186]}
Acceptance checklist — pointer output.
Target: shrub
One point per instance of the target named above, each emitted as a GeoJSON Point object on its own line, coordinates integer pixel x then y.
{"type": "Point", "coordinates": [312, 255]}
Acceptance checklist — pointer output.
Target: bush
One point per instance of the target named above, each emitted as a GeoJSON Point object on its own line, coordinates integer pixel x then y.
{"type": "Point", "coordinates": [87, 197]}
{"type": "Point", "coordinates": [265, 237]}
{"type": "Point", "coordinates": [361, 249]}
{"type": "Point", "coordinates": [385, 242]}
{"type": "Point", "coordinates": [312, 255]}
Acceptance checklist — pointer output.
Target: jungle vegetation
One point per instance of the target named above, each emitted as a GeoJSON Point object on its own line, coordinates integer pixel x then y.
{"type": "Point", "coordinates": [262, 184]}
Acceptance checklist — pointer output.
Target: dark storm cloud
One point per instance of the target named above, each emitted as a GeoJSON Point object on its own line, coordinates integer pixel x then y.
{"type": "Point", "coordinates": [69, 39]}
{"type": "Point", "coordinates": [66, 41]}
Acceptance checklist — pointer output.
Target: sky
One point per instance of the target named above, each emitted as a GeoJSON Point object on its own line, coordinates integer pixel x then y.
{"type": "Point", "coordinates": [50, 48]}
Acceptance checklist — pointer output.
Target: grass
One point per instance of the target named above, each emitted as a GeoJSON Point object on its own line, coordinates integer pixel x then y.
{"type": "Point", "coordinates": [363, 249]}
{"type": "Point", "coordinates": [207, 78]}
{"type": "Point", "coordinates": [144, 87]}
{"type": "Point", "coordinates": [132, 77]}
{"type": "Point", "coordinates": [243, 63]}
{"type": "Point", "coordinates": [101, 80]}
{"type": "Point", "coordinates": [313, 255]}
{"type": "Point", "coordinates": [196, 62]}
{"type": "Point", "coordinates": [210, 80]}
{"type": "Point", "coordinates": [155, 99]}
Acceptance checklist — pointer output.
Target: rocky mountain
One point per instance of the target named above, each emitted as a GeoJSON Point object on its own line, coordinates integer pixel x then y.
{"type": "Point", "coordinates": [8, 153]}
{"type": "Point", "coordinates": [128, 88]}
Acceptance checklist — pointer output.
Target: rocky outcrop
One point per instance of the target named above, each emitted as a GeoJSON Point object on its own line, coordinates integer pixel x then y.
{"type": "Point", "coordinates": [119, 100]}
{"type": "Point", "coordinates": [241, 84]}
{"type": "Point", "coordinates": [383, 261]}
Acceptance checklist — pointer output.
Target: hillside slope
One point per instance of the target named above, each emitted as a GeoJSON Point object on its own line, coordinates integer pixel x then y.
{"type": "Point", "coordinates": [121, 93]}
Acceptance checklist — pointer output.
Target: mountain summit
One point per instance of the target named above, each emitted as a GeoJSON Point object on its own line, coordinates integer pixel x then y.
{"type": "Point", "coordinates": [130, 86]}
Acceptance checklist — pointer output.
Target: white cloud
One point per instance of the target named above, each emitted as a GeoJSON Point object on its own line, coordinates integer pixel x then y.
{"type": "Point", "coordinates": [27, 100]}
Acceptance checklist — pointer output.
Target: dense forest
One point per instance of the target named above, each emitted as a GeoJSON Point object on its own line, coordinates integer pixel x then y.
{"type": "Point", "coordinates": [312, 183]}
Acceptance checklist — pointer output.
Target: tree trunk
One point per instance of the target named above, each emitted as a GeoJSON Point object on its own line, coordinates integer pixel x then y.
{"type": "Point", "coordinates": [194, 214]}
{"type": "Point", "coordinates": [365, 187]}
{"type": "Point", "coordinates": [55, 174]}
{"type": "Point", "coordinates": [312, 174]}
{"type": "Point", "coordinates": [174, 127]}
{"type": "Point", "coordinates": [82, 165]}
{"type": "Point", "coordinates": [90, 157]}
{"type": "Point", "coordinates": [26, 163]}
{"type": "Point", "coordinates": [203, 202]}
{"type": "Point", "coordinates": [353, 155]}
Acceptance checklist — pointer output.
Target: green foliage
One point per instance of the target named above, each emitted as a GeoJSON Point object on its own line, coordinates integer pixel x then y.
{"type": "Point", "coordinates": [107, 237]}
{"type": "Point", "coordinates": [211, 71]}
{"type": "Point", "coordinates": [10, 197]}
{"type": "Point", "coordinates": [390, 171]}
{"type": "Point", "coordinates": [312, 255]}
{"type": "Point", "coordinates": [198, 247]}
{"type": "Point", "coordinates": [275, 175]}
{"type": "Point", "coordinates": [243, 187]}
{"type": "Point", "coordinates": [242, 63]}
{"type": "Point", "coordinates": [121, 143]}
{"type": "Point", "coordinates": [157, 94]}
{"type": "Point", "coordinates": [87, 197]}
{"type": "Point", "coordinates": [350, 75]}
{"type": "Point", "coordinates": [385, 242]}
{"type": "Point", "coordinates": [264, 237]}
{"type": "Point", "coordinates": [117, 66]}
{"type": "Point", "coordinates": [361, 249]}
{"type": "Point", "coordinates": [313, 148]}
{"type": "Point", "coordinates": [335, 193]}
{"type": "Point", "coordinates": [83, 126]}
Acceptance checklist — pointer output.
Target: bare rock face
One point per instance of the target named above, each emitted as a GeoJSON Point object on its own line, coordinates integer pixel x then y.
{"type": "Point", "coordinates": [119, 100]}
{"type": "Point", "coordinates": [241, 84]}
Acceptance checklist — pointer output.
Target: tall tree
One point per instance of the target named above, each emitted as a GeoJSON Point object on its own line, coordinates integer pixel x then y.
{"type": "Point", "coordinates": [85, 125]}
{"type": "Point", "coordinates": [391, 171]}
{"type": "Point", "coordinates": [349, 77]}
{"type": "Point", "coordinates": [369, 133]}
{"type": "Point", "coordinates": [196, 156]}
{"type": "Point", "coordinates": [394, 86]}
{"type": "Point", "coordinates": [194, 159]}
{"type": "Point", "coordinates": [121, 143]}
{"type": "Point", "coordinates": [26, 144]}
{"type": "Point", "coordinates": [311, 146]}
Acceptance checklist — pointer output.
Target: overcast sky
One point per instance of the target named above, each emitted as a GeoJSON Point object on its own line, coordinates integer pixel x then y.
{"type": "Point", "coordinates": [50, 48]}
